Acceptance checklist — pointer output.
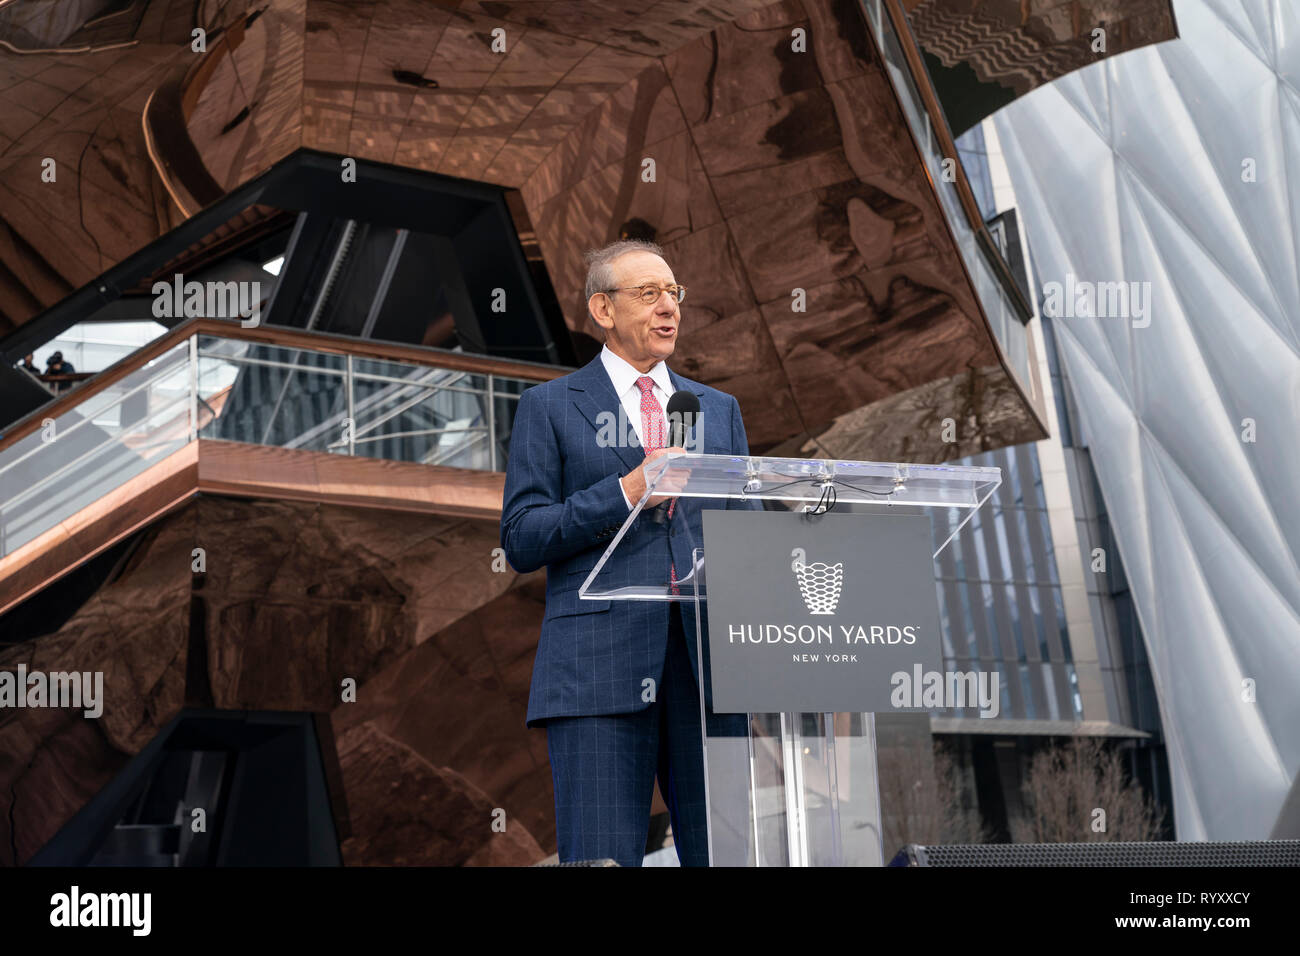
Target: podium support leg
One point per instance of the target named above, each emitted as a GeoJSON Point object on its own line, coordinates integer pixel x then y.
{"type": "Point", "coordinates": [833, 792]}
{"type": "Point", "coordinates": [877, 834]}
{"type": "Point", "coordinates": [819, 767]}
{"type": "Point", "coordinates": [796, 809]}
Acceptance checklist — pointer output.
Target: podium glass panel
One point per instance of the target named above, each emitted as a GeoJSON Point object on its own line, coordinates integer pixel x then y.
{"type": "Point", "coordinates": [787, 789]}
{"type": "Point", "coordinates": [796, 480]}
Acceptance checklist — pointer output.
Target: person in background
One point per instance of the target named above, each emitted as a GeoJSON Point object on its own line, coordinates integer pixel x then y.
{"type": "Point", "coordinates": [55, 365]}
{"type": "Point", "coordinates": [28, 365]}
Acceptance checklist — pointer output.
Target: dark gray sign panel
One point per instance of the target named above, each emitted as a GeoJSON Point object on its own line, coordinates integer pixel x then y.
{"type": "Point", "coordinates": [817, 614]}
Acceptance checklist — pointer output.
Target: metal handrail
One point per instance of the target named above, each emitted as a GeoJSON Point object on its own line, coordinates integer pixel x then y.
{"type": "Point", "coordinates": [187, 407]}
{"type": "Point", "coordinates": [328, 343]}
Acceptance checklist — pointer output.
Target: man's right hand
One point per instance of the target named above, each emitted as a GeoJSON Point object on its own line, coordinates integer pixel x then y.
{"type": "Point", "coordinates": [634, 483]}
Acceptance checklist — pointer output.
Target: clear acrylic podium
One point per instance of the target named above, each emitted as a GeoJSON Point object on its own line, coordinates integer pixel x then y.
{"type": "Point", "coordinates": [788, 789]}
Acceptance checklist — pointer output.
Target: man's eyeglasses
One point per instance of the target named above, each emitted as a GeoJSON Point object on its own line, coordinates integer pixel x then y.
{"type": "Point", "coordinates": [649, 294]}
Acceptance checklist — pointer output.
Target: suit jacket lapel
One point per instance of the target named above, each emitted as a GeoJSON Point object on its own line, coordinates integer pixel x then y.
{"type": "Point", "coordinates": [593, 393]}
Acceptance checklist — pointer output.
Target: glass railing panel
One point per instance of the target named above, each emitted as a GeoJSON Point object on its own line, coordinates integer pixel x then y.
{"type": "Point", "coordinates": [513, 387]}
{"type": "Point", "coordinates": [67, 435]}
{"type": "Point", "coordinates": [435, 426]}
{"type": "Point", "coordinates": [947, 191]}
{"type": "Point", "coordinates": [253, 393]}
{"type": "Point", "coordinates": [896, 65]}
{"type": "Point", "coordinates": [93, 448]}
{"type": "Point", "coordinates": [505, 407]}
{"type": "Point", "coordinates": [288, 398]}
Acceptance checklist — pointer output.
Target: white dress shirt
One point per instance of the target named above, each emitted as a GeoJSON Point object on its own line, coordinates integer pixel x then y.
{"type": "Point", "coordinates": [624, 376]}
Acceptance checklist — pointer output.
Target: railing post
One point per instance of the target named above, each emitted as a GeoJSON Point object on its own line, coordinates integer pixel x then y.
{"type": "Point", "coordinates": [194, 387]}
{"type": "Point", "coordinates": [492, 425]}
{"type": "Point", "coordinates": [352, 407]}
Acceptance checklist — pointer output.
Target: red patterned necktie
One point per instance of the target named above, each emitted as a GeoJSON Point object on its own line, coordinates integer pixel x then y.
{"type": "Point", "coordinates": [655, 429]}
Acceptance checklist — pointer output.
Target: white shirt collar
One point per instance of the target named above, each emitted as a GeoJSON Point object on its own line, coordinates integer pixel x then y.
{"type": "Point", "coordinates": [624, 376]}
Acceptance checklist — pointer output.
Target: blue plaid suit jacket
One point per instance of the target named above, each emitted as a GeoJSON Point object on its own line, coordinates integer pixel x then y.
{"type": "Point", "coordinates": [563, 505]}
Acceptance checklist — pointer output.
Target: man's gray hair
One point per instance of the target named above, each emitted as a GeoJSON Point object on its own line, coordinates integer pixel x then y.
{"type": "Point", "coordinates": [600, 262]}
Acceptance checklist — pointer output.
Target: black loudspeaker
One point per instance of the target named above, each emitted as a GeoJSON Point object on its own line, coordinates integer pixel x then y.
{"type": "Point", "coordinates": [579, 863]}
{"type": "Point", "coordinates": [1167, 853]}
{"type": "Point", "coordinates": [1287, 826]}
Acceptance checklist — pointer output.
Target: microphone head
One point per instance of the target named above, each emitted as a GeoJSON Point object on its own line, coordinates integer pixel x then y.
{"type": "Point", "coordinates": [683, 409]}
{"type": "Point", "coordinates": [683, 402]}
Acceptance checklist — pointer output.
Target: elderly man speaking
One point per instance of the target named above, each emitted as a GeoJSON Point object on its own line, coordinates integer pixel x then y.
{"type": "Point", "coordinates": [614, 682]}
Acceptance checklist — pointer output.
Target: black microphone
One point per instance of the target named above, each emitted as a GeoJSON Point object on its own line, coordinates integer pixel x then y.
{"type": "Point", "coordinates": [683, 408]}
{"type": "Point", "coordinates": [683, 412]}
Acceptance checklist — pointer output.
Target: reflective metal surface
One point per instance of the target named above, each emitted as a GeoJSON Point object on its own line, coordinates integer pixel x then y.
{"type": "Point", "coordinates": [1166, 170]}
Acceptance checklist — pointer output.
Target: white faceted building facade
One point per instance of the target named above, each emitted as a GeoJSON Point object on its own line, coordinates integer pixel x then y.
{"type": "Point", "coordinates": [1160, 193]}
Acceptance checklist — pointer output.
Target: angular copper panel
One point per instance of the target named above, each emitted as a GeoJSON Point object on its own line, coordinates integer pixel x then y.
{"type": "Point", "coordinates": [1023, 45]}
{"type": "Point", "coordinates": [297, 597]}
{"type": "Point", "coordinates": [84, 108]}
{"type": "Point", "coordinates": [774, 170]}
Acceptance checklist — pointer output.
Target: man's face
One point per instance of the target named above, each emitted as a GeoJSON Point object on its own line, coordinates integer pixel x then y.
{"type": "Point", "coordinates": [640, 333]}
